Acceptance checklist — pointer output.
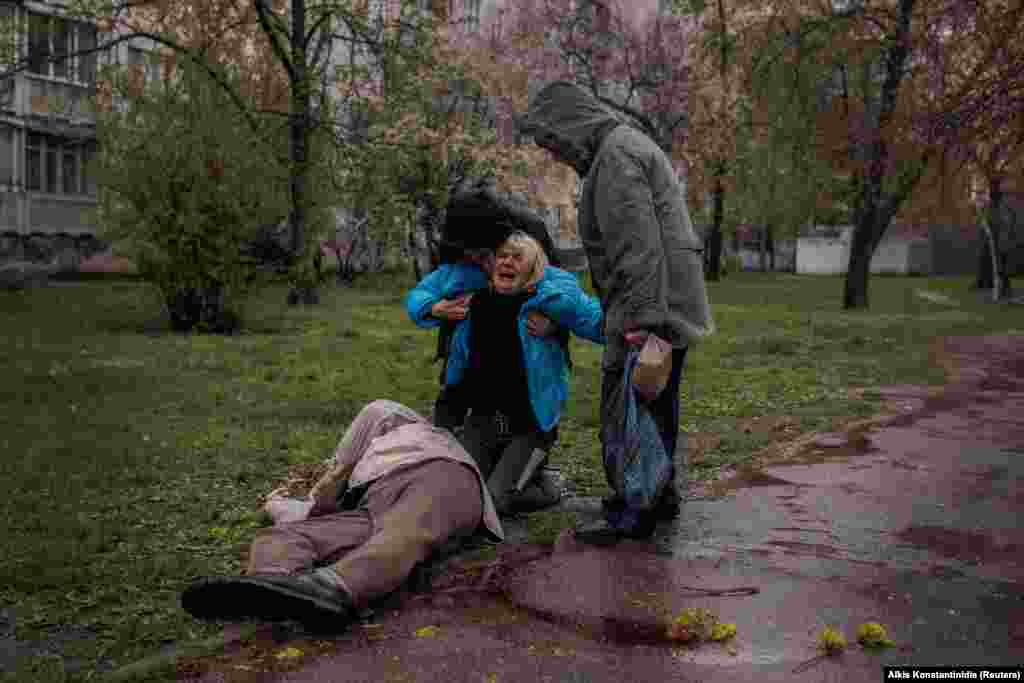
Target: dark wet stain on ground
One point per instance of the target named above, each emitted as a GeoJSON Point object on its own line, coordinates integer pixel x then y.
{"type": "Point", "coordinates": [987, 482]}
{"type": "Point", "coordinates": [609, 628]}
{"type": "Point", "coordinates": [816, 549]}
{"type": "Point", "coordinates": [857, 443]}
{"type": "Point", "coordinates": [803, 530]}
{"type": "Point", "coordinates": [957, 543]}
{"type": "Point", "coordinates": [746, 477]}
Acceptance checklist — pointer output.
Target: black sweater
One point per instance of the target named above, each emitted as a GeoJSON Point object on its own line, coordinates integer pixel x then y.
{"type": "Point", "coordinates": [496, 380]}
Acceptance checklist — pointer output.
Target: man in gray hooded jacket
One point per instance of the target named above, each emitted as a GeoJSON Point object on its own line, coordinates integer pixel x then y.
{"type": "Point", "coordinates": [644, 254]}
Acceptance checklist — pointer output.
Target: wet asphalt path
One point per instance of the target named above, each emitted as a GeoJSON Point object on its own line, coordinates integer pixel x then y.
{"type": "Point", "coordinates": [917, 527]}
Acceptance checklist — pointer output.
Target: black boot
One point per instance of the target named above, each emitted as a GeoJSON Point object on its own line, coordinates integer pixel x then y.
{"type": "Point", "coordinates": [545, 490]}
{"type": "Point", "coordinates": [307, 598]}
{"type": "Point", "coordinates": [670, 503]}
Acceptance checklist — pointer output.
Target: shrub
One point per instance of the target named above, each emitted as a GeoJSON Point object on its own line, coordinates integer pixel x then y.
{"type": "Point", "coordinates": [187, 180]}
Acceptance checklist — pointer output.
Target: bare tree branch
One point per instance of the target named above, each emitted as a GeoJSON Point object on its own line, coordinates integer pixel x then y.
{"type": "Point", "coordinates": [267, 18]}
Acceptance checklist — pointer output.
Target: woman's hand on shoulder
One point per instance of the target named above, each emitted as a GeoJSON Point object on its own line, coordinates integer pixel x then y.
{"type": "Point", "coordinates": [452, 309]}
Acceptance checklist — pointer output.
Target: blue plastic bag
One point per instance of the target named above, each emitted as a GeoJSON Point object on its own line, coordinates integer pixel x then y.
{"type": "Point", "coordinates": [635, 458]}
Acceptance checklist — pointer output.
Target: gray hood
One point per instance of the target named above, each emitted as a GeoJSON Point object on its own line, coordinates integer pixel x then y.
{"type": "Point", "coordinates": [568, 118]}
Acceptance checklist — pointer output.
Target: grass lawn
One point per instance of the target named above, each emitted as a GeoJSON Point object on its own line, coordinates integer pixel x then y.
{"type": "Point", "coordinates": [134, 458]}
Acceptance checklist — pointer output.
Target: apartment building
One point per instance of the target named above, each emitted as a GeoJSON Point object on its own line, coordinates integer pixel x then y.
{"type": "Point", "coordinates": [47, 136]}
{"type": "Point", "coordinates": [47, 123]}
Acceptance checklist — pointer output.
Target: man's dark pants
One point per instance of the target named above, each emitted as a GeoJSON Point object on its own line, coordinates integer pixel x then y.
{"type": "Point", "coordinates": [502, 459]}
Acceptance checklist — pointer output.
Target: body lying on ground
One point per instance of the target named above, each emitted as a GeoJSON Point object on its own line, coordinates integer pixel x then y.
{"type": "Point", "coordinates": [398, 490]}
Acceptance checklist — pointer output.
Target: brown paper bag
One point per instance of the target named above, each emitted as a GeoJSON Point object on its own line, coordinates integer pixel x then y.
{"type": "Point", "coordinates": [653, 368]}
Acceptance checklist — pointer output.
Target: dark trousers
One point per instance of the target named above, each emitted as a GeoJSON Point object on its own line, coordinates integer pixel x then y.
{"type": "Point", "coordinates": [450, 408]}
{"type": "Point", "coordinates": [664, 409]}
{"type": "Point", "coordinates": [503, 457]}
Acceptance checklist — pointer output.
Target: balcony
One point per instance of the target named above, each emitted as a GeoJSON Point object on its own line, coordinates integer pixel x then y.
{"type": "Point", "coordinates": [57, 99]}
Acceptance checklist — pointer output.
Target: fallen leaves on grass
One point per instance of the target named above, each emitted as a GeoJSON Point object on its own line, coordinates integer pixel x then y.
{"type": "Point", "coordinates": [700, 443]}
{"type": "Point", "coordinates": [301, 478]}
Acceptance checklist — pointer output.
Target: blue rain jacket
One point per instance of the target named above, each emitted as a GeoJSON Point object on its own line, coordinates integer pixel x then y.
{"type": "Point", "coordinates": [558, 296]}
{"type": "Point", "coordinates": [447, 282]}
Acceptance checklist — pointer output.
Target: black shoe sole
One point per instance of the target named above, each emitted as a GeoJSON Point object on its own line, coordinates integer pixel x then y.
{"type": "Point", "coordinates": [256, 598]}
{"type": "Point", "coordinates": [664, 511]}
{"type": "Point", "coordinates": [602, 539]}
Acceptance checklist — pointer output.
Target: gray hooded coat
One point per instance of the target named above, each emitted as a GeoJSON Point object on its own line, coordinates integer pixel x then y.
{"type": "Point", "coordinates": [644, 254]}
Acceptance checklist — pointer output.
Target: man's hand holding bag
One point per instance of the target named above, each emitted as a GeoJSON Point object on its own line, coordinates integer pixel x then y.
{"type": "Point", "coordinates": [653, 367]}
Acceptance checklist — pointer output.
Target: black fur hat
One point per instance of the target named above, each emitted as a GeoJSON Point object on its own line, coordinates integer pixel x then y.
{"type": "Point", "coordinates": [481, 219]}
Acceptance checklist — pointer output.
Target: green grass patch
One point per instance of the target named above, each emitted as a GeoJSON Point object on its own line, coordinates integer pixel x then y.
{"type": "Point", "coordinates": [134, 458]}
{"type": "Point", "coordinates": [543, 527]}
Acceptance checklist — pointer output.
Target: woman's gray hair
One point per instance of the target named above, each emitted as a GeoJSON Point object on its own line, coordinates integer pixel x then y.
{"type": "Point", "coordinates": [533, 253]}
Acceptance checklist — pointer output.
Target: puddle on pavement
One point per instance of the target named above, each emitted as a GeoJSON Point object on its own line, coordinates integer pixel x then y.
{"type": "Point", "coordinates": [618, 630]}
{"type": "Point", "coordinates": [959, 544]}
{"type": "Point", "coordinates": [801, 548]}
{"type": "Point", "coordinates": [856, 443]}
{"type": "Point", "coordinates": [746, 477]}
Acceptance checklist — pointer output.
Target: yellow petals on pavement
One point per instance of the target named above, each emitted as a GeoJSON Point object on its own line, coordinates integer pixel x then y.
{"type": "Point", "coordinates": [428, 632]}
{"type": "Point", "coordinates": [720, 632]}
{"type": "Point", "coordinates": [872, 634]}
{"type": "Point", "coordinates": [831, 640]}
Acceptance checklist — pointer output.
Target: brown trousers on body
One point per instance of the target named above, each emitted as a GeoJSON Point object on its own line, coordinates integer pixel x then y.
{"type": "Point", "coordinates": [401, 519]}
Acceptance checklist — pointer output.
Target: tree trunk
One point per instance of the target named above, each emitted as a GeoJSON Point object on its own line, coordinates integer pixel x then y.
{"type": "Point", "coordinates": [992, 224]}
{"type": "Point", "coordinates": [298, 129]}
{"type": "Point", "coordinates": [770, 243]}
{"type": "Point", "coordinates": [984, 278]}
{"type": "Point", "coordinates": [875, 208]}
{"type": "Point", "coordinates": [993, 250]}
{"type": "Point", "coordinates": [713, 253]}
{"type": "Point", "coordinates": [763, 248]}
{"type": "Point", "coordinates": [862, 248]}
{"type": "Point", "coordinates": [423, 241]}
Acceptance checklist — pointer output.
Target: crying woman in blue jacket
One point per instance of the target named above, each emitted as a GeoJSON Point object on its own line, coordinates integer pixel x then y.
{"type": "Point", "coordinates": [514, 382]}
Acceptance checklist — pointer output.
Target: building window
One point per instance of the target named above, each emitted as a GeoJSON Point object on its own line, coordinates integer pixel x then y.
{"type": "Point", "coordinates": [57, 165]}
{"type": "Point", "coordinates": [39, 44]}
{"type": "Point", "coordinates": [52, 42]}
{"type": "Point", "coordinates": [7, 46]}
{"type": "Point", "coordinates": [376, 11]}
{"type": "Point", "coordinates": [63, 45]}
{"type": "Point", "coordinates": [69, 171]}
{"type": "Point", "coordinates": [34, 162]}
{"type": "Point", "coordinates": [7, 93]}
{"type": "Point", "coordinates": [86, 62]}
{"type": "Point", "coordinates": [471, 15]}
{"type": "Point", "coordinates": [6, 155]}
{"type": "Point", "coordinates": [145, 63]}
{"type": "Point", "coordinates": [88, 151]}
{"type": "Point", "coordinates": [50, 166]}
